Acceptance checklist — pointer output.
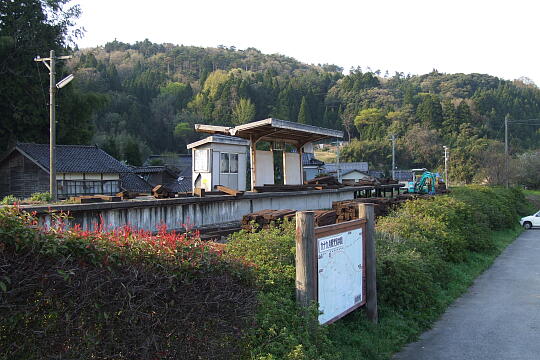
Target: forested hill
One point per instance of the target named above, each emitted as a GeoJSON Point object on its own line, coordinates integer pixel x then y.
{"type": "Point", "coordinates": [156, 92]}
{"type": "Point", "coordinates": [146, 97]}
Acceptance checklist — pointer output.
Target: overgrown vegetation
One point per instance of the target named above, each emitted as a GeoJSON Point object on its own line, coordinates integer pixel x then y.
{"type": "Point", "coordinates": [73, 293]}
{"type": "Point", "coordinates": [428, 253]}
{"type": "Point", "coordinates": [280, 331]}
{"type": "Point", "coordinates": [122, 294]}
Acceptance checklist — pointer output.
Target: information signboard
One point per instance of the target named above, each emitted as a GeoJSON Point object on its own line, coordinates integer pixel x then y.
{"type": "Point", "coordinates": [340, 269]}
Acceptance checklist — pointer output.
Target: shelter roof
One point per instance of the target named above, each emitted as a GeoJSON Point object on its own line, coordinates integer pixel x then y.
{"type": "Point", "coordinates": [274, 130]}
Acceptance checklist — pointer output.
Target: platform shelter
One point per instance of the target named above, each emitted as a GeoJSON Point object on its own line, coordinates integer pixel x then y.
{"type": "Point", "coordinates": [277, 133]}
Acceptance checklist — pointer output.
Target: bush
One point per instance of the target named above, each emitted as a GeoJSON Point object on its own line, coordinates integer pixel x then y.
{"type": "Point", "coordinates": [44, 197]}
{"type": "Point", "coordinates": [419, 241]}
{"type": "Point", "coordinates": [9, 200]}
{"type": "Point", "coordinates": [405, 277]}
{"type": "Point", "coordinates": [419, 247]}
{"type": "Point", "coordinates": [494, 207]}
{"type": "Point", "coordinates": [281, 331]}
{"type": "Point", "coordinates": [123, 294]}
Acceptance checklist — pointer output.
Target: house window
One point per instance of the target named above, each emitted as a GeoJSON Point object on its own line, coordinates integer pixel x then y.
{"type": "Point", "coordinates": [68, 188]}
{"type": "Point", "coordinates": [228, 163]}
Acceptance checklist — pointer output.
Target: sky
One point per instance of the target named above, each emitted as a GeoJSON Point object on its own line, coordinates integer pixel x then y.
{"type": "Point", "coordinates": [494, 37]}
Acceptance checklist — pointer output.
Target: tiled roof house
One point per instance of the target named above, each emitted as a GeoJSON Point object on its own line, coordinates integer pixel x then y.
{"type": "Point", "coordinates": [80, 169]}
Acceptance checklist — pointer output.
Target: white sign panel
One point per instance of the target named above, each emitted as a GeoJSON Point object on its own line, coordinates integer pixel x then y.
{"type": "Point", "coordinates": [340, 264]}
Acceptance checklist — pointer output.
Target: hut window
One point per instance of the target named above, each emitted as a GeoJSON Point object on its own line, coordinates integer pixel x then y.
{"type": "Point", "coordinates": [233, 163]}
{"type": "Point", "coordinates": [228, 163]}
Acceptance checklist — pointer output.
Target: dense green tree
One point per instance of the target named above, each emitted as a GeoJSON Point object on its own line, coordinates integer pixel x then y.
{"type": "Point", "coordinates": [467, 153]}
{"type": "Point", "coordinates": [377, 153]}
{"type": "Point", "coordinates": [429, 111]}
{"type": "Point", "coordinates": [111, 147]}
{"type": "Point", "coordinates": [370, 123]}
{"type": "Point", "coordinates": [243, 112]}
{"type": "Point", "coordinates": [29, 28]}
{"type": "Point", "coordinates": [132, 153]}
{"type": "Point", "coordinates": [423, 147]}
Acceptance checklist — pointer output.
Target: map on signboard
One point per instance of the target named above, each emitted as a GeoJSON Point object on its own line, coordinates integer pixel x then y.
{"type": "Point", "coordinates": [340, 264]}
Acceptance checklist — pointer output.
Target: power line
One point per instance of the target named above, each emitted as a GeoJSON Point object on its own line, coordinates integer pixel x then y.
{"type": "Point", "coordinates": [499, 131]}
{"type": "Point", "coordinates": [525, 123]}
{"type": "Point", "coordinates": [522, 120]}
{"type": "Point", "coordinates": [41, 84]}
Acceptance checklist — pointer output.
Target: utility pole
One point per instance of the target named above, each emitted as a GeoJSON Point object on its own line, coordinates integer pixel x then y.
{"type": "Point", "coordinates": [393, 138]}
{"type": "Point", "coordinates": [506, 171]}
{"type": "Point", "coordinates": [447, 183]}
{"type": "Point", "coordinates": [51, 65]}
{"type": "Point", "coordinates": [338, 170]}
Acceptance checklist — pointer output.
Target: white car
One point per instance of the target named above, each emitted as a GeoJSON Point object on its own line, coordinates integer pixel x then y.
{"type": "Point", "coordinates": [530, 221]}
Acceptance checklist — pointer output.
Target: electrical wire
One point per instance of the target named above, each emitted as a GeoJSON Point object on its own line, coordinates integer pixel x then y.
{"type": "Point", "coordinates": [523, 120]}
{"type": "Point", "coordinates": [41, 85]}
{"type": "Point", "coordinates": [498, 131]}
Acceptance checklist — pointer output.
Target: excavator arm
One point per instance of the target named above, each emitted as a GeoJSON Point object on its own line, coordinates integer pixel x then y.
{"type": "Point", "coordinates": [426, 184]}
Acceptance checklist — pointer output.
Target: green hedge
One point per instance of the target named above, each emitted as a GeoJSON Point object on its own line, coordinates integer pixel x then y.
{"type": "Point", "coordinates": [125, 294]}
{"type": "Point", "coordinates": [419, 242]}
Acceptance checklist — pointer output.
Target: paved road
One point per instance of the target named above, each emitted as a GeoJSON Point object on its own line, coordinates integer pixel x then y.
{"type": "Point", "coordinates": [498, 318]}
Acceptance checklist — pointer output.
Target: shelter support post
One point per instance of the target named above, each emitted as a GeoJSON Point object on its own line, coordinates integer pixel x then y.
{"type": "Point", "coordinates": [300, 152]}
{"type": "Point", "coordinates": [253, 160]}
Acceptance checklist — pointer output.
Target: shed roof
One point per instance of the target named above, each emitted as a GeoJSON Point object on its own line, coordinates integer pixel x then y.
{"type": "Point", "coordinates": [308, 159]}
{"type": "Point", "coordinates": [274, 130]}
{"type": "Point", "coordinates": [219, 139]}
{"type": "Point", "coordinates": [73, 158]}
{"type": "Point", "coordinates": [347, 166]}
{"type": "Point", "coordinates": [347, 172]}
{"type": "Point", "coordinates": [133, 182]}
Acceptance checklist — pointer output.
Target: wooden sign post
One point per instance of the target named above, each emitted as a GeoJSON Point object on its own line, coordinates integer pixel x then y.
{"type": "Point", "coordinates": [306, 260]}
{"type": "Point", "coordinates": [367, 211]}
{"type": "Point", "coordinates": [335, 265]}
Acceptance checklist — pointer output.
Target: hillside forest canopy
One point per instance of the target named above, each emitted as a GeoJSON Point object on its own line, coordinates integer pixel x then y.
{"type": "Point", "coordinates": [142, 98]}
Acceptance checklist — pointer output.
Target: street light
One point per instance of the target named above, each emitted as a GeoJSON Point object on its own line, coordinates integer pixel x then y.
{"type": "Point", "coordinates": [50, 63]}
{"type": "Point", "coordinates": [64, 81]}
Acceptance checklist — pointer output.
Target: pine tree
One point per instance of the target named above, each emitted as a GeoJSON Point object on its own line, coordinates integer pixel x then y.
{"type": "Point", "coordinates": [429, 112]}
{"type": "Point", "coordinates": [304, 117]}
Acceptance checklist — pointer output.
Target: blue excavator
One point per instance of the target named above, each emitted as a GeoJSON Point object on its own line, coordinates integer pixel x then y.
{"type": "Point", "coordinates": [423, 182]}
